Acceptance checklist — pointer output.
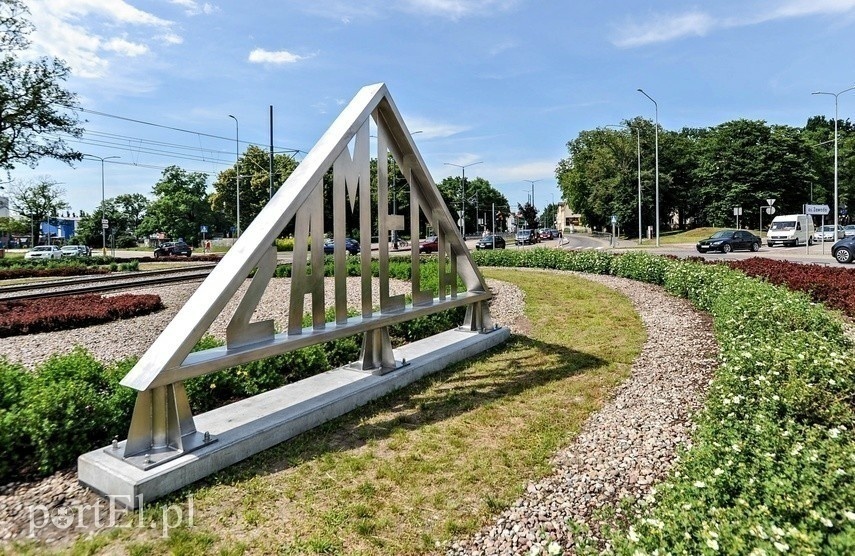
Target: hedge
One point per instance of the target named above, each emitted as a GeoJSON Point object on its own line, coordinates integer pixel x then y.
{"type": "Point", "coordinates": [771, 463]}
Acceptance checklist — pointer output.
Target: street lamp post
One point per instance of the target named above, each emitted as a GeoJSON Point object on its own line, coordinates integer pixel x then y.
{"type": "Point", "coordinates": [656, 109]}
{"type": "Point", "coordinates": [836, 208]}
{"type": "Point", "coordinates": [532, 182]}
{"type": "Point", "coordinates": [103, 202]}
{"type": "Point", "coordinates": [638, 155]}
{"type": "Point", "coordinates": [463, 195]}
{"type": "Point", "coordinates": [237, 169]}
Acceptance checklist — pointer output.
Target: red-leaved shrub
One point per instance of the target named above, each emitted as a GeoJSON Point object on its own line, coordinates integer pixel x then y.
{"type": "Point", "coordinates": [31, 316]}
{"type": "Point", "coordinates": [832, 286]}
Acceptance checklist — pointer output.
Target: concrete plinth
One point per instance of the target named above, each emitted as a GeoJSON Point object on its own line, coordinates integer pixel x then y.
{"type": "Point", "coordinates": [249, 426]}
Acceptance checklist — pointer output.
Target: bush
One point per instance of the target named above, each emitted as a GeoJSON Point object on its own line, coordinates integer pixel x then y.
{"type": "Point", "coordinates": [48, 314]}
{"type": "Point", "coordinates": [285, 244]}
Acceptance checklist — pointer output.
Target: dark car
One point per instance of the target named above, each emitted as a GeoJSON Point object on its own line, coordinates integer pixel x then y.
{"type": "Point", "coordinates": [350, 245]}
{"type": "Point", "coordinates": [728, 240]}
{"type": "Point", "coordinates": [173, 249]}
{"type": "Point", "coordinates": [429, 245]}
{"type": "Point", "coordinates": [844, 250]}
{"type": "Point", "coordinates": [545, 234]}
{"type": "Point", "coordinates": [526, 237]}
{"type": "Point", "coordinates": [490, 242]}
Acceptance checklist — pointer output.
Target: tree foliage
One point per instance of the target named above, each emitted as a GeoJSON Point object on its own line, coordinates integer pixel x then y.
{"type": "Point", "coordinates": [34, 106]}
{"type": "Point", "coordinates": [180, 208]}
{"type": "Point", "coordinates": [254, 167]}
{"type": "Point", "coordinates": [38, 199]}
{"type": "Point", "coordinates": [705, 173]}
{"type": "Point", "coordinates": [124, 214]}
{"type": "Point", "coordinates": [480, 197]}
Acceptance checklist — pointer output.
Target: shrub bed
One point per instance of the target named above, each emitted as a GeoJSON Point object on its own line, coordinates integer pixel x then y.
{"type": "Point", "coordinates": [31, 316]}
{"type": "Point", "coordinates": [72, 403]}
{"type": "Point", "coordinates": [832, 286]}
{"type": "Point", "coordinates": [771, 463]}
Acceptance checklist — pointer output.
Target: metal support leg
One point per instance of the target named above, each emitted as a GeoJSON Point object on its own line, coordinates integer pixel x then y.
{"type": "Point", "coordinates": [376, 356]}
{"type": "Point", "coordinates": [478, 318]}
{"type": "Point", "coordinates": [162, 428]}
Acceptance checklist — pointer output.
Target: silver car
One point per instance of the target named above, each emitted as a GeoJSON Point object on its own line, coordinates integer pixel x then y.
{"type": "Point", "coordinates": [75, 251]}
{"type": "Point", "coordinates": [44, 252]}
{"type": "Point", "coordinates": [826, 233]}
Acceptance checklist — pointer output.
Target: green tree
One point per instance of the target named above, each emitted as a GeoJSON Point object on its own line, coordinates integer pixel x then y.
{"type": "Point", "coordinates": [180, 207]}
{"type": "Point", "coordinates": [38, 200]}
{"type": "Point", "coordinates": [743, 162]}
{"type": "Point", "coordinates": [480, 198]}
{"type": "Point", "coordinates": [124, 213]}
{"type": "Point", "coordinates": [528, 215]}
{"type": "Point", "coordinates": [35, 109]}
{"type": "Point", "coordinates": [254, 165]}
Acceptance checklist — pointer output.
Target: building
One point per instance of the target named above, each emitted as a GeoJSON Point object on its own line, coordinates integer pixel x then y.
{"type": "Point", "coordinates": [565, 219]}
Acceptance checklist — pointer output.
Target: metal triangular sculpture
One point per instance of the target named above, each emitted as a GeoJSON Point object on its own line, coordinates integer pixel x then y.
{"type": "Point", "coordinates": [162, 426]}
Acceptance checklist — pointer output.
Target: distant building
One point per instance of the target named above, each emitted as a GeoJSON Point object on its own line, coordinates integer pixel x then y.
{"type": "Point", "coordinates": [566, 219]}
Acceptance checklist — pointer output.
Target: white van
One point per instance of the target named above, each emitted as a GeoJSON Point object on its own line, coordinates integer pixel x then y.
{"type": "Point", "coordinates": [790, 229]}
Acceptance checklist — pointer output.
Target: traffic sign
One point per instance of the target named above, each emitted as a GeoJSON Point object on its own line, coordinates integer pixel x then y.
{"type": "Point", "coordinates": [104, 221]}
{"type": "Point", "coordinates": [104, 224]}
{"type": "Point", "coordinates": [203, 229]}
{"type": "Point", "coordinates": [737, 211]}
{"type": "Point", "coordinates": [820, 210]}
{"type": "Point", "coordinates": [614, 219]}
{"type": "Point", "coordinates": [770, 201]}
{"type": "Point", "coordinates": [770, 210]}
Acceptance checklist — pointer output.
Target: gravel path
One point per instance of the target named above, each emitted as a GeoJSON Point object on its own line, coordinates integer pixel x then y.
{"type": "Point", "coordinates": [622, 450]}
{"type": "Point", "coordinates": [625, 447]}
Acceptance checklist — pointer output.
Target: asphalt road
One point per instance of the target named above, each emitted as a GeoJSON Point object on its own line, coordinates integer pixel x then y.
{"type": "Point", "coordinates": [818, 253]}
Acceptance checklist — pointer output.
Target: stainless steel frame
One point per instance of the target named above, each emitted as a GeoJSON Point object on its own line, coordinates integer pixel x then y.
{"type": "Point", "coordinates": [162, 425]}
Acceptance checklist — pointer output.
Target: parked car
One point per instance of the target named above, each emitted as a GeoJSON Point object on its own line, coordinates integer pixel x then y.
{"type": "Point", "coordinates": [526, 237]}
{"type": "Point", "coordinates": [75, 251]}
{"type": "Point", "coordinates": [490, 242]}
{"type": "Point", "coordinates": [545, 234]}
{"type": "Point", "coordinates": [826, 233]}
{"type": "Point", "coordinates": [44, 252]}
{"type": "Point", "coordinates": [429, 245]}
{"type": "Point", "coordinates": [728, 240]}
{"type": "Point", "coordinates": [844, 250]}
{"type": "Point", "coordinates": [849, 230]}
{"type": "Point", "coordinates": [350, 245]}
{"type": "Point", "coordinates": [172, 249]}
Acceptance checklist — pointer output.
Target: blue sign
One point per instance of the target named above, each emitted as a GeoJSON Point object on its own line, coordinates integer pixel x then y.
{"type": "Point", "coordinates": [203, 229]}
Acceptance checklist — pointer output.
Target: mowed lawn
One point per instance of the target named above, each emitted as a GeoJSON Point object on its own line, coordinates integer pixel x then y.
{"type": "Point", "coordinates": [428, 463]}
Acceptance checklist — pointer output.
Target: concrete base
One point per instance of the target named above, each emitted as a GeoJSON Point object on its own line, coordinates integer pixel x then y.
{"type": "Point", "coordinates": [249, 426]}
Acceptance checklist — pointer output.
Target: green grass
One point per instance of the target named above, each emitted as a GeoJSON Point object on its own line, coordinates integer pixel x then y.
{"type": "Point", "coordinates": [690, 236]}
{"type": "Point", "coordinates": [432, 461]}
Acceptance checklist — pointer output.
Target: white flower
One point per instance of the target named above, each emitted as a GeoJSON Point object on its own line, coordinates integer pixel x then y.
{"type": "Point", "coordinates": [796, 449]}
{"type": "Point", "coordinates": [834, 432]}
{"type": "Point", "coordinates": [839, 472]}
{"type": "Point", "coordinates": [825, 521]}
{"type": "Point", "coordinates": [554, 549]}
{"type": "Point", "coordinates": [757, 552]}
{"type": "Point", "coordinates": [782, 547]}
{"type": "Point", "coordinates": [831, 382]}
{"type": "Point", "coordinates": [700, 484]}
{"type": "Point", "coordinates": [777, 531]}
{"type": "Point", "coordinates": [534, 550]}
{"type": "Point", "coordinates": [712, 543]}
{"type": "Point", "coordinates": [632, 535]}
{"type": "Point", "coordinates": [849, 515]}
{"type": "Point", "coordinates": [735, 447]}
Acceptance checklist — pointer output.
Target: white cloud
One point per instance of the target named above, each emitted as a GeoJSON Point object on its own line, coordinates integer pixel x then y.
{"type": "Point", "coordinates": [73, 31]}
{"type": "Point", "coordinates": [171, 38]}
{"type": "Point", "coordinates": [125, 48]}
{"type": "Point", "coordinates": [347, 11]}
{"type": "Point", "coordinates": [431, 129]}
{"type": "Point", "coordinates": [663, 28]}
{"type": "Point", "coordinates": [262, 56]}
{"type": "Point", "coordinates": [533, 169]}
{"type": "Point", "coordinates": [192, 7]}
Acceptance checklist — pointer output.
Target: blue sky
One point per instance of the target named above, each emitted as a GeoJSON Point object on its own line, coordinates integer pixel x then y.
{"type": "Point", "coordinates": [506, 82]}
